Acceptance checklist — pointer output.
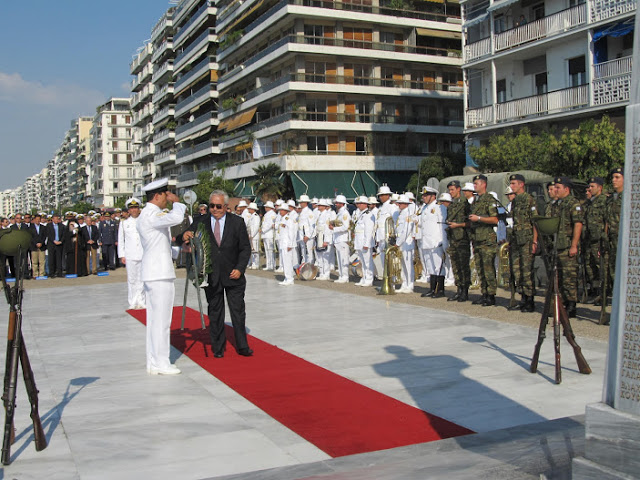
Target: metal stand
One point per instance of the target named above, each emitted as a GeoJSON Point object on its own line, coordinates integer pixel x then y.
{"type": "Point", "coordinates": [560, 318]}
{"type": "Point", "coordinates": [193, 272]}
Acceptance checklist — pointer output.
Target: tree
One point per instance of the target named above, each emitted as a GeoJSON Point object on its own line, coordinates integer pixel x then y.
{"type": "Point", "coordinates": [82, 207]}
{"type": "Point", "coordinates": [268, 184]}
{"type": "Point", "coordinates": [119, 202]}
{"type": "Point", "coordinates": [439, 165]}
{"type": "Point", "coordinates": [208, 182]}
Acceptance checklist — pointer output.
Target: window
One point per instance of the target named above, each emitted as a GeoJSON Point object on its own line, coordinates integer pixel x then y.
{"type": "Point", "coordinates": [363, 112]}
{"type": "Point", "coordinates": [114, 158]}
{"type": "Point", "coordinates": [114, 120]}
{"type": "Point", "coordinates": [537, 11]}
{"type": "Point", "coordinates": [501, 91]}
{"type": "Point", "coordinates": [316, 110]}
{"type": "Point", "coordinates": [499, 24]}
{"type": "Point", "coordinates": [357, 37]}
{"type": "Point", "coordinates": [114, 145]}
{"type": "Point", "coordinates": [114, 172]}
{"type": "Point", "coordinates": [129, 186]}
{"type": "Point", "coordinates": [127, 119]}
{"type": "Point", "coordinates": [114, 132]}
{"type": "Point", "coordinates": [541, 83]}
{"type": "Point", "coordinates": [129, 159]}
{"type": "Point", "coordinates": [317, 144]}
{"type": "Point", "coordinates": [577, 71]}
{"type": "Point", "coordinates": [130, 172]}
{"type": "Point", "coordinates": [315, 33]}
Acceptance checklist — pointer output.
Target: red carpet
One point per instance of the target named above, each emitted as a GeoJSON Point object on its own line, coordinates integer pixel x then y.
{"type": "Point", "coordinates": [335, 414]}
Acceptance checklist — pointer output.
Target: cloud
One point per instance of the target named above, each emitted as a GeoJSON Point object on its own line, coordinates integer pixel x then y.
{"type": "Point", "coordinates": [15, 89]}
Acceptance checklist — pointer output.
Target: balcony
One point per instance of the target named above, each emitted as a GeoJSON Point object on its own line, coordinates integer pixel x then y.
{"type": "Point", "coordinates": [163, 158]}
{"type": "Point", "coordinates": [612, 81]}
{"type": "Point", "coordinates": [188, 154]}
{"type": "Point", "coordinates": [182, 9]}
{"type": "Point", "coordinates": [195, 73]}
{"type": "Point", "coordinates": [548, 26]}
{"type": "Point", "coordinates": [163, 114]}
{"type": "Point", "coordinates": [604, 9]}
{"type": "Point", "coordinates": [166, 46]}
{"type": "Point", "coordinates": [477, 49]}
{"type": "Point", "coordinates": [142, 77]}
{"type": "Point", "coordinates": [163, 71]}
{"type": "Point", "coordinates": [198, 18]}
{"type": "Point", "coordinates": [198, 124]}
{"type": "Point", "coordinates": [163, 136]}
{"type": "Point", "coordinates": [197, 98]}
{"type": "Point", "coordinates": [160, 95]}
{"type": "Point", "coordinates": [202, 41]}
{"type": "Point", "coordinates": [141, 115]}
{"type": "Point", "coordinates": [140, 59]}
{"type": "Point", "coordinates": [164, 22]}
{"type": "Point", "coordinates": [143, 152]}
{"type": "Point", "coordinates": [147, 131]}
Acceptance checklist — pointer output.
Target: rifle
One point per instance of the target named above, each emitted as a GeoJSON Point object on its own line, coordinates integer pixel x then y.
{"type": "Point", "coordinates": [582, 259]}
{"type": "Point", "coordinates": [17, 352]}
{"type": "Point", "coordinates": [512, 281]}
{"type": "Point", "coordinates": [604, 282]}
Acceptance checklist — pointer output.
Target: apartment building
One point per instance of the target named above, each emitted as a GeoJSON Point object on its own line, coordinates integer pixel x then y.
{"type": "Point", "coordinates": [78, 135]}
{"type": "Point", "coordinates": [344, 96]}
{"type": "Point", "coordinates": [142, 108]}
{"type": "Point", "coordinates": [112, 171]}
{"type": "Point", "coordinates": [164, 125]}
{"type": "Point", "coordinates": [544, 63]}
{"type": "Point", "coordinates": [195, 107]}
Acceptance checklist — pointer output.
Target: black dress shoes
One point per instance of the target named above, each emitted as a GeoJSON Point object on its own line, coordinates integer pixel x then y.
{"type": "Point", "coordinates": [245, 352]}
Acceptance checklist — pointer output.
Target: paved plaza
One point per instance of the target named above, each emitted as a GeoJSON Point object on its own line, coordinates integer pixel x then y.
{"type": "Point", "coordinates": [106, 418]}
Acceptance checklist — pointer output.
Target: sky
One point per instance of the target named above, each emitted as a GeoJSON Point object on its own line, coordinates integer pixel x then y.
{"type": "Point", "coordinates": [59, 60]}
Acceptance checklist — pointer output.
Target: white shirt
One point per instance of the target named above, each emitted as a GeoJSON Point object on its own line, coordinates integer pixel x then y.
{"type": "Point", "coordinates": [387, 209]}
{"type": "Point", "coordinates": [432, 225]}
{"type": "Point", "coordinates": [363, 233]}
{"type": "Point", "coordinates": [287, 231]}
{"type": "Point", "coordinates": [129, 244]}
{"type": "Point", "coordinates": [404, 229]}
{"type": "Point", "coordinates": [153, 227]}
{"type": "Point", "coordinates": [268, 222]}
{"type": "Point", "coordinates": [341, 233]}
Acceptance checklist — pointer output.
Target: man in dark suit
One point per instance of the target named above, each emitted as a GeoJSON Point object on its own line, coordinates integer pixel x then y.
{"type": "Point", "coordinates": [38, 246]}
{"type": "Point", "coordinates": [229, 256]}
{"type": "Point", "coordinates": [108, 241]}
{"type": "Point", "coordinates": [91, 237]}
{"type": "Point", "coordinates": [55, 237]}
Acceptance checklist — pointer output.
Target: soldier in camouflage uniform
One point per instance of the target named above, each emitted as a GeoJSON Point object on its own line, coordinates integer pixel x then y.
{"type": "Point", "coordinates": [459, 250]}
{"type": "Point", "coordinates": [594, 234]}
{"type": "Point", "coordinates": [568, 241]}
{"type": "Point", "coordinates": [484, 216]}
{"type": "Point", "coordinates": [614, 205]}
{"type": "Point", "coordinates": [524, 241]}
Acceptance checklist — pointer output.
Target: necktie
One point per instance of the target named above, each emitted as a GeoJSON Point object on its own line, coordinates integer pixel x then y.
{"type": "Point", "coordinates": [55, 227]}
{"type": "Point", "coordinates": [216, 232]}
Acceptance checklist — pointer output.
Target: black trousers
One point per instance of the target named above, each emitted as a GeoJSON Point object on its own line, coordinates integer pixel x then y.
{"type": "Point", "coordinates": [235, 301]}
{"type": "Point", "coordinates": [108, 256]}
{"type": "Point", "coordinates": [55, 260]}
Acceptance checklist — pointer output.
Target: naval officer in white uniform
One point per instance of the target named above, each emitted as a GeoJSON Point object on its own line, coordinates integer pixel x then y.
{"type": "Point", "coordinates": [158, 273]}
{"type": "Point", "coordinates": [130, 254]}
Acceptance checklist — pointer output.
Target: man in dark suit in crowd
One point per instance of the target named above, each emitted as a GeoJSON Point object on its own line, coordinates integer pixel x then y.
{"type": "Point", "coordinates": [38, 246]}
{"type": "Point", "coordinates": [229, 256]}
{"type": "Point", "coordinates": [109, 240]}
{"type": "Point", "coordinates": [91, 237]}
{"type": "Point", "coordinates": [55, 236]}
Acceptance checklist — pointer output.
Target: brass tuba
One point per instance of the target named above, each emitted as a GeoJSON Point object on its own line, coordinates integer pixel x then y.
{"type": "Point", "coordinates": [392, 270]}
{"type": "Point", "coordinates": [504, 267]}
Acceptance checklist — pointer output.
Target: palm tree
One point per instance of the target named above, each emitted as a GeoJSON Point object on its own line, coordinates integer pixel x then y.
{"type": "Point", "coordinates": [268, 185]}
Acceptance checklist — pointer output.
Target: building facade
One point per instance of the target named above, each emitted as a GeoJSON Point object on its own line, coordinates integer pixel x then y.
{"type": "Point", "coordinates": [112, 171]}
{"type": "Point", "coordinates": [545, 63]}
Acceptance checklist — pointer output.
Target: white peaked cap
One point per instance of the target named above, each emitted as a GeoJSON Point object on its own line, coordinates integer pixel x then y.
{"type": "Point", "coordinates": [156, 184]}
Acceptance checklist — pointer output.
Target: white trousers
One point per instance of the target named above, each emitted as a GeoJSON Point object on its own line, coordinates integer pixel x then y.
{"type": "Point", "coordinates": [423, 262]}
{"type": "Point", "coordinates": [310, 248]}
{"type": "Point", "coordinates": [160, 295]}
{"type": "Point", "coordinates": [342, 256]}
{"type": "Point", "coordinates": [269, 253]}
{"type": "Point", "coordinates": [135, 287]}
{"type": "Point", "coordinates": [407, 268]}
{"type": "Point", "coordinates": [433, 260]}
{"type": "Point", "coordinates": [366, 261]}
{"type": "Point", "coordinates": [324, 258]}
{"type": "Point", "coordinates": [287, 264]}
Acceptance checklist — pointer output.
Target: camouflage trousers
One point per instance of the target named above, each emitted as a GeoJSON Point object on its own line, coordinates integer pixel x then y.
{"type": "Point", "coordinates": [568, 276]}
{"type": "Point", "coordinates": [522, 267]}
{"type": "Point", "coordinates": [591, 256]}
{"type": "Point", "coordinates": [460, 255]}
{"type": "Point", "coordinates": [485, 255]}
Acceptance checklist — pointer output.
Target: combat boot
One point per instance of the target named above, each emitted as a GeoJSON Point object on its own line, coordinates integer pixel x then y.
{"type": "Point", "coordinates": [439, 291]}
{"type": "Point", "coordinates": [481, 300]}
{"type": "Point", "coordinates": [464, 295]}
{"type": "Point", "coordinates": [432, 281]}
{"type": "Point", "coordinates": [491, 300]}
{"type": "Point", "coordinates": [456, 296]}
{"type": "Point", "coordinates": [571, 309]}
{"type": "Point", "coordinates": [520, 304]}
{"type": "Point", "coordinates": [529, 305]}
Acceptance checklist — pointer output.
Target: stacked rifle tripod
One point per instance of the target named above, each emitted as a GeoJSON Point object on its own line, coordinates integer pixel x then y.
{"type": "Point", "coordinates": [548, 227]}
{"type": "Point", "coordinates": [15, 243]}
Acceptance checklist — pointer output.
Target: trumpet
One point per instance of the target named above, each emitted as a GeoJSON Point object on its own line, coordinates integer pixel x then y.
{"type": "Point", "coordinates": [336, 222]}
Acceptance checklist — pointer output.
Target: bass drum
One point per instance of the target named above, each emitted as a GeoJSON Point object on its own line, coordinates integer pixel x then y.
{"type": "Point", "coordinates": [306, 271]}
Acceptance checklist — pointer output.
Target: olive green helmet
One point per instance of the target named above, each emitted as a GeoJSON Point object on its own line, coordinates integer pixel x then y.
{"type": "Point", "coordinates": [12, 240]}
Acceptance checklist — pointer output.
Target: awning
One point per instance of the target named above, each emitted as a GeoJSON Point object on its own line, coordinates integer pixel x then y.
{"type": "Point", "coordinates": [223, 124]}
{"type": "Point", "coordinates": [500, 4]}
{"type": "Point", "coordinates": [240, 119]}
{"type": "Point", "coordinates": [244, 187]}
{"type": "Point", "coordinates": [243, 146]}
{"type": "Point", "coordinates": [616, 30]}
{"type": "Point", "coordinates": [434, 1]}
{"type": "Point", "coordinates": [431, 32]}
{"type": "Point", "coordinates": [476, 20]}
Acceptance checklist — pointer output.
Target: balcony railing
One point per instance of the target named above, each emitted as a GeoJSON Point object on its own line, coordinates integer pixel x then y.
{"type": "Point", "coordinates": [195, 72]}
{"type": "Point", "coordinates": [166, 45]}
{"type": "Point", "coordinates": [161, 114]}
{"type": "Point", "coordinates": [197, 151]}
{"type": "Point", "coordinates": [182, 55]}
{"type": "Point", "coordinates": [196, 98]}
{"type": "Point", "coordinates": [552, 102]}
{"type": "Point", "coordinates": [477, 117]}
{"type": "Point", "coordinates": [160, 94]}
{"type": "Point", "coordinates": [612, 68]}
{"type": "Point", "coordinates": [162, 71]}
{"type": "Point", "coordinates": [603, 9]}
{"type": "Point", "coordinates": [197, 122]}
{"type": "Point", "coordinates": [179, 37]}
{"type": "Point", "coordinates": [164, 157]}
{"type": "Point", "coordinates": [477, 49]}
{"type": "Point", "coordinates": [612, 81]}
{"type": "Point", "coordinates": [545, 27]}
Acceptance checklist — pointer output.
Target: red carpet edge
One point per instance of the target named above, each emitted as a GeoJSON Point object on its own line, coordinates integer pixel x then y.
{"type": "Point", "coordinates": [337, 415]}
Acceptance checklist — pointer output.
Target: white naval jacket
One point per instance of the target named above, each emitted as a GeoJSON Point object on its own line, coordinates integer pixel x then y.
{"type": "Point", "coordinates": [404, 229]}
{"type": "Point", "coordinates": [267, 229]}
{"type": "Point", "coordinates": [129, 244]}
{"type": "Point", "coordinates": [322, 226]}
{"type": "Point", "coordinates": [364, 230]}
{"type": "Point", "coordinates": [253, 229]}
{"type": "Point", "coordinates": [287, 232]}
{"type": "Point", "coordinates": [307, 223]}
{"type": "Point", "coordinates": [432, 225]}
{"type": "Point", "coordinates": [341, 233]}
{"type": "Point", "coordinates": [153, 226]}
{"type": "Point", "coordinates": [387, 209]}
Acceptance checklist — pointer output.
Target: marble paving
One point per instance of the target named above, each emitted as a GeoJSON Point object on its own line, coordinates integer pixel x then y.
{"type": "Point", "coordinates": [106, 418]}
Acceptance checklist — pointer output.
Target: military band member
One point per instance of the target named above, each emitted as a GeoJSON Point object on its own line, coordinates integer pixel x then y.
{"type": "Point", "coordinates": [341, 238]}
{"type": "Point", "coordinates": [404, 240]}
{"type": "Point", "coordinates": [241, 210]}
{"type": "Point", "coordinates": [614, 207]}
{"type": "Point", "coordinates": [523, 241]}
{"type": "Point", "coordinates": [432, 223]}
{"type": "Point", "coordinates": [267, 232]}
{"type": "Point", "coordinates": [459, 249]}
{"type": "Point", "coordinates": [158, 273]}
{"type": "Point", "coordinates": [385, 210]}
{"type": "Point", "coordinates": [324, 239]}
{"type": "Point", "coordinates": [130, 254]}
{"type": "Point", "coordinates": [363, 240]}
{"type": "Point", "coordinates": [276, 224]}
{"type": "Point", "coordinates": [595, 219]}
{"type": "Point", "coordinates": [567, 243]}
{"type": "Point", "coordinates": [287, 234]}
{"type": "Point", "coordinates": [253, 229]}
{"type": "Point", "coordinates": [484, 216]}
{"type": "Point", "coordinates": [306, 224]}
{"type": "Point", "coordinates": [469, 192]}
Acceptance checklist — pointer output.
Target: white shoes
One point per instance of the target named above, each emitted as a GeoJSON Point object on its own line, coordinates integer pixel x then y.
{"type": "Point", "coordinates": [422, 280]}
{"type": "Point", "coordinates": [341, 280]}
{"type": "Point", "coordinates": [367, 284]}
{"type": "Point", "coordinates": [359, 284]}
{"type": "Point", "coordinates": [170, 370]}
{"type": "Point", "coordinates": [323, 277]}
{"type": "Point", "coordinates": [404, 290]}
{"type": "Point", "coordinates": [279, 270]}
{"type": "Point", "coordinates": [285, 282]}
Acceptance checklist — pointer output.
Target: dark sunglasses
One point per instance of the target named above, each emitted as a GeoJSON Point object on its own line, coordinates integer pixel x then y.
{"type": "Point", "coordinates": [219, 206]}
